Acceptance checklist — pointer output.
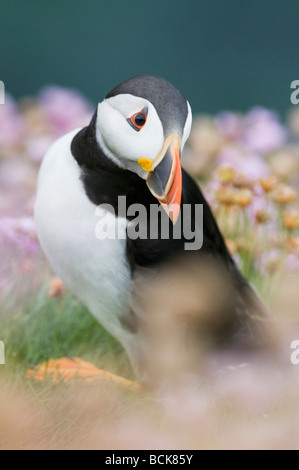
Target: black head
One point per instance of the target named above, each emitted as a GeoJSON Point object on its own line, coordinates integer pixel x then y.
{"type": "Point", "coordinates": [170, 104]}
{"type": "Point", "coordinates": [142, 126]}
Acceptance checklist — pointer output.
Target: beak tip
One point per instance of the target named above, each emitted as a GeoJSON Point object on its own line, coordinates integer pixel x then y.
{"type": "Point", "coordinates": [173, 211]}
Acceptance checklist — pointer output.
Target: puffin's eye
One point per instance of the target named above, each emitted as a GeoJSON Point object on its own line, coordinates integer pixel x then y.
{"type": "Point", "coordinates": [138, 120]}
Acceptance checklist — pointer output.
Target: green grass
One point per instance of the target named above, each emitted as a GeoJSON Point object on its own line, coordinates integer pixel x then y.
{"type": "Point", "coordinates": [42, 415]}
{"type": "Point", "coordinates": [44, 328]}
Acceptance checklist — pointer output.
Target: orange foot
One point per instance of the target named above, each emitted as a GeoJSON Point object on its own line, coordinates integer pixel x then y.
{"type": "Point", "coordinates": [64, 369]}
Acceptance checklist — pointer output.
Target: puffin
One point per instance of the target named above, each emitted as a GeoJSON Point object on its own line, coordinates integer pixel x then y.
{"type": "Point", "coordinates": [168, 302]}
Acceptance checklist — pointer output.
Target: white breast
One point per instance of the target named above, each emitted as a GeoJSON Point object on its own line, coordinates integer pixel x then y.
{"type": "Point", "coordinates": [95, 270]}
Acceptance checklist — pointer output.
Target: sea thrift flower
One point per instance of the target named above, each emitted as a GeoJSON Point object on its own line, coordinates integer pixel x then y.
{"type": "Point", "coordinates": [254, 167]}
{"type": "Point", "coordinates": [243, 198]}
{"type": "Point", "coordinates": [238, 158]}
{"type": "Point", "coordinates": [231, 196]}
{"type": "Point", "coordinates": [36, 148]}
{"type": "Point", "coordinates": [226, 174]}
{"type": "Point", "coordinates": [56, 288]}
{"type": "Point", "coordinates": [20, 233]}
{"type": "Point", "coordinates": [292, 244]}
{"type": "Point", "coordinates": [283, 194]}
{"type": "Point", "coordinates": [263, 132]}
{"type": "Point", "coordinates": [262, 217]}
{"type": "Point", "coordinates": [66, 109]}
{"type": "Point", "coordinates": [225, 196]}
{"type": "Point", "coordinates": [260, 211]}
{"type": "Point", "coordinates": [229, 124]}
{"type": "Point", "coordinates": [11, 124]}
{"type": "Point", "coordinates": [27, 266]}
{"type": "Point", "coordinates": [242, 181]}
{"type": "Point", "coordinates": [232, 156]}
{"type": "Point", "coordinates": [291, 219]}
{"type": "Point", "coordinates": [269, 183]}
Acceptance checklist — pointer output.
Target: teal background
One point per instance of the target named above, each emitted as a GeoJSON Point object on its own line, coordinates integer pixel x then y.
{"type": "Point", "coordinates": [229, 54]}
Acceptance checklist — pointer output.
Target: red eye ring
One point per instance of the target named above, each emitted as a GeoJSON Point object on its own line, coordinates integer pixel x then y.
{"type": "Point", "coordinates": [138, 120]}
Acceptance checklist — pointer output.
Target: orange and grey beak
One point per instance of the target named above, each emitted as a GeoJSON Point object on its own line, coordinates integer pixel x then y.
{"type": "Point", "coordinates": [165, 176]}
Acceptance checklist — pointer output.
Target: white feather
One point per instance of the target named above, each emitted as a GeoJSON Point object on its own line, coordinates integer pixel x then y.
{"type": "Point", "coordinates": [94, 270]}
{"type": "Point", "coordinates": [120, 141]}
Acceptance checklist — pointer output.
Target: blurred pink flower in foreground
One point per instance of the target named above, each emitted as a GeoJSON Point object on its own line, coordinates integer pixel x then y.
{"type": "Point", "coordinates": [12, 129]}
{"type": "Point", "coordinates": [66, 109]}
{"type": "Point", "coordinates": [19, 233]}
{"type": "Point", "coordinates": [263, 131]}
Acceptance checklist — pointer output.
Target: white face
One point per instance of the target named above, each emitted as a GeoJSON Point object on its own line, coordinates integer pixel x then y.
{"type": "Point", "coordinates": [123, 144]}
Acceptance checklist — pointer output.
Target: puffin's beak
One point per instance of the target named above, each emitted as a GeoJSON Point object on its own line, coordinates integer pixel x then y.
{"type": "Point", "coordinates": [165, 177]}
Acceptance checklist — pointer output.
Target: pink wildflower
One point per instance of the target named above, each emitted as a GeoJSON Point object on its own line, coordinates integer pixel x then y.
{"type": "Point", "coordinates": [66, 109]}
{"type": "Point", "coordinates": [19, 233]}
{"type": "Point", "coordinates": [263, 131]}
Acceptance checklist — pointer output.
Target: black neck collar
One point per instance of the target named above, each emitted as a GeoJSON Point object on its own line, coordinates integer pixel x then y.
{"type": "Point", "coordinates": [103, 180]}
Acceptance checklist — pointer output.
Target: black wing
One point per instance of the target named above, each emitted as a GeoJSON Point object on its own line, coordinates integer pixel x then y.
{"type": "Point", "coordinates": [244, 309]}
{"type": "Point", "coordinates": [249, 308]}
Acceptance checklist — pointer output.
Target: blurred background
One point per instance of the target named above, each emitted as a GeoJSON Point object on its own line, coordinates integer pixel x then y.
{"type": "Point", "coordinates": [235, 62]}
{"type": "Point", "coordinates": [222, 55]}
